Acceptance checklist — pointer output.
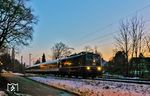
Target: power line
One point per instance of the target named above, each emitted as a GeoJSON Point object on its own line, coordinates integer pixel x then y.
{"type": "Point", "coordinates": [99, 37]}
{"type": "Point", "coordinates": [109, 25]}
{"type": "Point", "coordinates": [105, 35]}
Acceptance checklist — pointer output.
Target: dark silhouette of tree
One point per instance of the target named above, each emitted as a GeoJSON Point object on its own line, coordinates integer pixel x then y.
{"type": "Point", "coordinates": [37, 61]}
{"type": "Point", "coordinates": [43, 58]}
{"type": "Point", "coordinates": [7, 63]}
{"type": "Point", "coordinates": [141, 55]}
{"type": "Point", "coordinates": [147, 40]}
{"type": "Point", "coordinates": [61, 50]}
{"type": "Point", "coordinates": [117, 64]}
{"type": "Point", "coordinates": [16, 23]}
{"type": "Point", "coordinates": [109, 67]}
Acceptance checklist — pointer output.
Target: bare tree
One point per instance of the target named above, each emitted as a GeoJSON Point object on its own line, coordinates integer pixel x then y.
{"type": "Point", "coordinates": [123, 39]}
{"type": "Point", "coordinates": [130, 36]}
{"type": "Point", "coordinates": [61, 50]}
{"type": "Point", "coordinates": [147, 39]}
{"type": "Point", "coordinates": [16, 23]}
{"type": "Point", "coordinates": [88, 48]}
{"type": "Point", "coordinates": [136, 33]}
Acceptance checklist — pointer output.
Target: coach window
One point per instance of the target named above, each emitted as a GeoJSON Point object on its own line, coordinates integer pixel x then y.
{"type": "Point", "coordinates": [67, 63]}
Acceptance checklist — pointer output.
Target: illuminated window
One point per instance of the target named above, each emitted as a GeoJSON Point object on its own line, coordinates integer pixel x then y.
{"type": "Point", "coordinates": [67, 63]}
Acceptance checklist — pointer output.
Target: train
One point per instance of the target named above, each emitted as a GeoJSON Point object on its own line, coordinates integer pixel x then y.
{"type": "Point", "coordinates": [85, 64]}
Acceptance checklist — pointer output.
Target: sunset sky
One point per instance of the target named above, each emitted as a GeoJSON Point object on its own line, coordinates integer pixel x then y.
{"type": "Point", "coordinates": [78, 23]}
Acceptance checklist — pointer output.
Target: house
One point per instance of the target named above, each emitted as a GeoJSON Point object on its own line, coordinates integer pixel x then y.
{"type": "Point", "coordinates": [139, 67]}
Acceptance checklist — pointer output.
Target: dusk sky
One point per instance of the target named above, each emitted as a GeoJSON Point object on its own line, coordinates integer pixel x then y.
{"type": "Point", "coordinates": [78, 23]}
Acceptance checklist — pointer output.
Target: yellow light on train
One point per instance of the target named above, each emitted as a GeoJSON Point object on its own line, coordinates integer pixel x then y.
{"type": "Point", "coordinates": [42, 66]}
{"type": "Point", "coordinates": [99, 68]}
{"type": "Point", "coordinates": [67, 63]}
{"type": "Point", "coordinates": [88, 68]}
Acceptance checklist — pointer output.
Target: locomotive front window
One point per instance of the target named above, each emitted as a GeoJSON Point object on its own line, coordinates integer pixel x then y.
{"type": "Point", "coordinates": [89, 59]}
{"type": "Point", "coordinates": [92, 59]}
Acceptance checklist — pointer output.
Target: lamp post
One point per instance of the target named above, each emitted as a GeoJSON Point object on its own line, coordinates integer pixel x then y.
{"type": "Point", "coordinates": [1, 65]}
{"type": "Point", "coordinates": [21, 59]}
{"type": "Point", "coordinates": [13, 57]}
{"type": "Point", "coordinates": [30, 59]}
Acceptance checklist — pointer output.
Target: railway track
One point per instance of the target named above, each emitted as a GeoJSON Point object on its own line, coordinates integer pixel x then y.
{"type": "Point", "coordinates": [126, 81]}
{"type": "Point", "coordinates": [136, 81]}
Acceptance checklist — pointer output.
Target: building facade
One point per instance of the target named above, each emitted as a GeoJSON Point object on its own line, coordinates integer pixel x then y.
{"type": "Point", "coordinates": [140, 67]}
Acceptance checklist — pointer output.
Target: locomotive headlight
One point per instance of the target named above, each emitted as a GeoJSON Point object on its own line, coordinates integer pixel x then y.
{"type": "Point", "coordinates": [99, 68]}
{"type": "Point", "coordinates": [88, 68]}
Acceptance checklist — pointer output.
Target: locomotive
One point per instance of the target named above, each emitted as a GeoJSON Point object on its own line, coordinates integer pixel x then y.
{"type": "Point", "coordinates": [85, 64]}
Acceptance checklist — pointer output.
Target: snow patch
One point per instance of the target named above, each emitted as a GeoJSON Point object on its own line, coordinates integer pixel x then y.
{"type": "Point", "coordinates": [86, 87]}
{"type": "Point", "coordinates": [18, 74]}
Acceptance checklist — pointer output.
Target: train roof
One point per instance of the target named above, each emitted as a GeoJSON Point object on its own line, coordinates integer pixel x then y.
{"type": "Point", "coordinates": [61, 59]}
{"type": "Point", "coordinates": [70, 57]}
{"type": "Point", "coordinates": [77, 55]}
{"type": "Point", "coordinates": [47, 62]}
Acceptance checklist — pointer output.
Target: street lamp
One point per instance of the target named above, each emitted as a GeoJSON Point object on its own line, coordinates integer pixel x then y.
{"type": "Point", "coordinates": [30, 59]}
{"type": "Point", "coordinates": [1, 63]}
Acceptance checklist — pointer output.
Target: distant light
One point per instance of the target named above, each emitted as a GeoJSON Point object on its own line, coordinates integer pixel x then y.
{"type": "Point", "coordinates": [1, 63]}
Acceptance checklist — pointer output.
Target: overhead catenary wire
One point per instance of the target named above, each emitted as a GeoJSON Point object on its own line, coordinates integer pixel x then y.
{"type": "Point", "coordinates": [103, 37]}
{"type": "Point", "coordinates": [106, 27]}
